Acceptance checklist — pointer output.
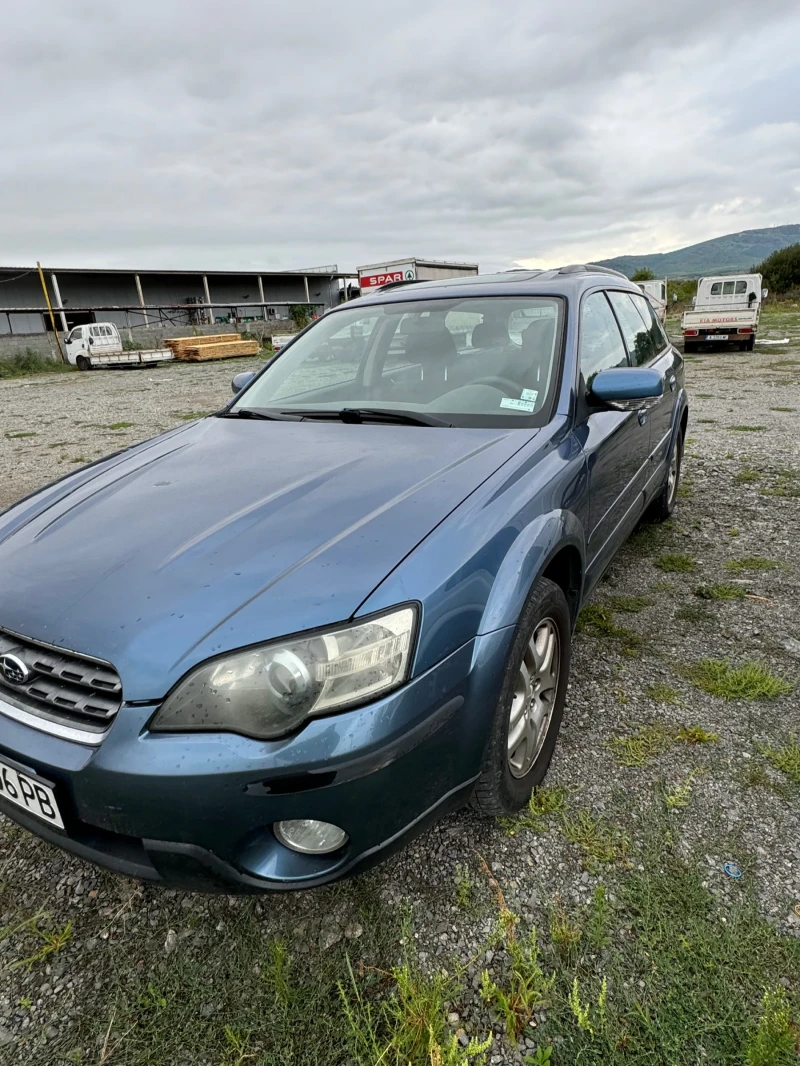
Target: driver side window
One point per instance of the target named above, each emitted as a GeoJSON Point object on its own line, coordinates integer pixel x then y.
{"type": "Point", "coordinates": [601, 344]}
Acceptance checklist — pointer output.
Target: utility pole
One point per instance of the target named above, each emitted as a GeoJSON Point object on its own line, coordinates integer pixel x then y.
{"type": "Point", "coordinates": [50, 309]}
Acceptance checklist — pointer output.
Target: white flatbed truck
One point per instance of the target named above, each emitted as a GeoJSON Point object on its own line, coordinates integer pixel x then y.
{"type": "Point", "coordinates": [99, 345]}
{"type": "Point", "coordinates": [725, 310]}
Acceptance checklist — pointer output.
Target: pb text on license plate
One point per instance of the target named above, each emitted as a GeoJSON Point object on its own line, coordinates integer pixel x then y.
{"type": "Point", "coordinates": [29, 793]}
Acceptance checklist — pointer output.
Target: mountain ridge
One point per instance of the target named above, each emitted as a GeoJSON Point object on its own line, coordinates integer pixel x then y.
{"type": "Point", "coordinates": [728, 254]}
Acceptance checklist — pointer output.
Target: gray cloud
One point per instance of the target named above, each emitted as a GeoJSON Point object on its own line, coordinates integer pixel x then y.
{"type": "Point", "coordinates": [214, 135]}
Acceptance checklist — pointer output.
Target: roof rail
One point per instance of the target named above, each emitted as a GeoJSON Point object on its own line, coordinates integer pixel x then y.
{"type": "Point", "coordinates": [591, 268]}
{"type": "Point", "coordinates": [397, 284]}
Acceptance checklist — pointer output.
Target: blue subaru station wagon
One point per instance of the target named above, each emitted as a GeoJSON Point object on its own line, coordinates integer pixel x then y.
{"type": "Point", "coordinates": [264, 650]}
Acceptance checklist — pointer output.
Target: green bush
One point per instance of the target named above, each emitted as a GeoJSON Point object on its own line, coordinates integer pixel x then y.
{"type": "Point", "coordinates": [31, 362]}
{"type": "Point", "coordinates": [781, 270]}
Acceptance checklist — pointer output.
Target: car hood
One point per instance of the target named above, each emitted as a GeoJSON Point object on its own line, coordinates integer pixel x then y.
{"type": "Point", "coordinates": [228, 532]}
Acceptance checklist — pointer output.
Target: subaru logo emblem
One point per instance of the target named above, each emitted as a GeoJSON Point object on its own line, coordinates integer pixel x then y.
{"type": "Point", "coordinates": [13, 670]}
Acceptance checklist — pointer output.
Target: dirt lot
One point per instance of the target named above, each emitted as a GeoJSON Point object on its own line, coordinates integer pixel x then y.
{"type": "Point", "coordinates": [600, 927]}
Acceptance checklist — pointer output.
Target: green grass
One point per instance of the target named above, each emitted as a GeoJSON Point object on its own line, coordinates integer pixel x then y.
{"type": "Point", "coordinates": [597, 619]}
{"type": "Point", "coordinates": [120, 425]}
{"type": "Point", "coordinates": [706, 421]}
{"type": "Point", "coordinates": [30, 362]}
{"type": "Point", "coordinates": [787, 410]}
{"type": "Point", "coordinates": [651, 740]}
{"type": "Point", "coordinates": [752, 563]}
{"type": "Point", "coordinates": [675, 563]}
{"type": "Point", "coordinates": [524, 987]}
{"type": "Point", "coordinates": [544, 801]}
{"type": "Point", "coordinates": [650, 537]}
{"type": "Point", "coordinates": [749, 681]}
{"type": "Point", "coordinates": [628, 604]}
{"type": "Point", "coordinates": [693, 612]}
{"type": "Point", "coordinates": [785, 758]}
{"type": "Point", "coordinates": [189, 416]}
{"type": "Point", "coordinates": [662, 692]}
{"type": "Point", "coordinates": [720, 592]}
{"type": "Point", "coordinates": [18, 434]}
{"type": "Point", "coordinates": [748, 474]}
{"type": "Point", "coordinates": [748, 429]}
{"type": "Point", "coordinates": [598, 839]}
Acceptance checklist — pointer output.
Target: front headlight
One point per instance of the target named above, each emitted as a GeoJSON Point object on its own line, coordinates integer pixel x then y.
{"type": "Point", "coordinates": [268, 691]}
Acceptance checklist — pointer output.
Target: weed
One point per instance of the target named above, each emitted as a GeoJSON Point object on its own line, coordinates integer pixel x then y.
{"type": "Point", "coordinates": [120, 425]}
{"type": "Point", "coordinates": [525, 989]}
{"type": "Point", "coordinates": [662, 692]}
{"type": "Point", "coordinates": [629, 604]}
{"type": "Point", "coordinates": [756, 776]}
{"type": "Point", "coordinates": [237, 1050]}
{"type": "Point", "coordinates": [692, 612]}
{"type": "Point", "coordinates": [675, 563]}
{"type": "Point", "coordinates": [52, 940]}
{"type": "Point", "coordinates": [466, 891]}
{"type": "Point", "coordinates": [720, 592]}
{"type": "Point", "coordinates": [750, 681]}
{"type": "Point", "coordinates": [189, 416]}
{"type": "Point", "coordinates": [646, 744]}
{"type": "Point", "coordinates": [748, 429]}
{"type": "Point", "coordinates": [542, 1056]}
{"type": "Point", "coordinates": [19, 434]}
{"type": "Point", "coordinates": [564, 933]}
{"type": "Point", "coordinates": [598, 620]}
{"type": "Point", "coordinates": [598, 840]}
{"type": "Point", "coordinates": [774, 1041]}
{"type": "Point", "coordinates": [647, 538]}
{"type": "Point", "coordinates": [679, 796]}
{"type": "Point", "coordinates": [276, 971]}
{"type": "Point", "coordinates": [590, 1018]}
{"type": "Point", "coordinates": [787, 410]}
{"type": "Point", "coordinates": [543, 801]}
{"type": "Point", "coordinates": [734, 533]}
{"type": "Point", "coordinates": [695, 734]}
{"type": "Point", "coordinates": [752, 562]}
{"type": "Point", "coordinates": [597, 919]}
{"type": "Point", "coordinates": [30, 362]}
{"type": "Point", "coordinates": [706, 421]}
{"type": "Point", "coordinates": [785, 758]}
{"type": "Point", "coordinates": [748, 473]}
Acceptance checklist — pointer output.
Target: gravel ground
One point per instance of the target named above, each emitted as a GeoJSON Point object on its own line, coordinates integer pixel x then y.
{"type": "Point", "coordinates": [736, 502]}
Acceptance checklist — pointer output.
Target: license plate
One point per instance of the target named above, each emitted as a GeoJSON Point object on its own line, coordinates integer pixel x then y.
{"type": "Point", "coordinates": [29, 793]}
{"type": "Point", "coordinates": [717, 337]}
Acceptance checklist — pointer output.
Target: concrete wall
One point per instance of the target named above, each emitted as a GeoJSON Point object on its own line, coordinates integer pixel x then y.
{"type": "Point", "coordinates": [153, 337]}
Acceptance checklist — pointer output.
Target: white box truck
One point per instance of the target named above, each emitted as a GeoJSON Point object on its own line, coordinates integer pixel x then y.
{"type": "Point", "coordinates": [725, 310]}
{"type": "Point", "coordinates": [377, 275]}
{"type": "Point", "coordinates": [656, 293]}
{"type": "Point", "coordinates": [99, 345]}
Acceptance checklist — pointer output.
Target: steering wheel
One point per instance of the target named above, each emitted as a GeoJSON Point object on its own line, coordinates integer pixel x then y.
{"type": "Point", "coordinates": [493, 380]}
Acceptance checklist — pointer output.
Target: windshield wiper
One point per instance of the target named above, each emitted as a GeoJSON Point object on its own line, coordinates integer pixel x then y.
{"type": "Point", "coordinates": [252, 412]}
{"type": "Point", "coordinates": [360, 415]}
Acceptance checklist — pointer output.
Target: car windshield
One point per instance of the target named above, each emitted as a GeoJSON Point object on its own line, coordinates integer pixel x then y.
{"type": "Point", "coordinates": [464, 362]}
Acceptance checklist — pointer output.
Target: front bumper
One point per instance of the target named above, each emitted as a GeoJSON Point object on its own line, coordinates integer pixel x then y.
{"type": "Point", "coordinates": [195, 811]}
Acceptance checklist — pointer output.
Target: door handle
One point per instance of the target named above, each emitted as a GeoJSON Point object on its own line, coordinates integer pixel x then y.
{"type": "Point", "coordinates": [642, 417]}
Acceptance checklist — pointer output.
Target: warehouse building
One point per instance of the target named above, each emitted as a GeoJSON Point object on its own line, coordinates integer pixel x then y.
{"type": "Point", "coordinates": [160, 298]}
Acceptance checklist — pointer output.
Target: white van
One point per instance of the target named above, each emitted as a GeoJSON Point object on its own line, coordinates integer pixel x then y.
{"type": "Point", "coordinates": [98, 345]}
{"type": "Point", "coordinates": [656, 293]}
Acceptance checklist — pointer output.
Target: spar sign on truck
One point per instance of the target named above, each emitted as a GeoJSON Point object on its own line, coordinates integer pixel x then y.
{"type": "Point", "coordinates": [370, 278]}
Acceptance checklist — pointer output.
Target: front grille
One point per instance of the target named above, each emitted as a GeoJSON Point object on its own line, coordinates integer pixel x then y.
{"type": "Point", "coordinates": [62, 686]}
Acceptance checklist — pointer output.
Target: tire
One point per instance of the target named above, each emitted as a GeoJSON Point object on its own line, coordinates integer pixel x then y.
{"type": "Point", "coordinates": [751, 343]}
{"type": "Point", "coordinates": [83, 363]}
{"type": "Point", "coordinates": [664, 504]}
{"type": "Point", "coordinates": [690, 346]}
{"type": "Point", "coordinates": [544, 630]}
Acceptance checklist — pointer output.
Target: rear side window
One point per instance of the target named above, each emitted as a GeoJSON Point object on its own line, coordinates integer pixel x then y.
{"type": "Point", "coordinates": [601, 344]}
{"type": "Point", "coordinates": [636, 333]}
{"type": "Point", "coordinates": [652, 325]}
{"type": "Point", "coordinates": [741, 287]}
{"type": "Point", "coordinates": [727, 288]}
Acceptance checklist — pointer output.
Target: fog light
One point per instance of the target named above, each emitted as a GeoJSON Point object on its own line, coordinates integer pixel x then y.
{"type": "Point", "coordinates": [309, 836]}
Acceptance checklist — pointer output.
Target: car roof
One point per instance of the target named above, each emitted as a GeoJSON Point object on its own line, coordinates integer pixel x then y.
{"type": "Point", "coordinates": [569, 280]}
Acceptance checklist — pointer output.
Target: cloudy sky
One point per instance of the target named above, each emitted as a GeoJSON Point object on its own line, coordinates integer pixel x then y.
{"type": "Point", "coordinates": [211, 134]}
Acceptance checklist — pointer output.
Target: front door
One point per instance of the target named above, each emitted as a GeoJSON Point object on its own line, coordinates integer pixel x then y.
{"type": "Point", "coordinates": [616, 443]}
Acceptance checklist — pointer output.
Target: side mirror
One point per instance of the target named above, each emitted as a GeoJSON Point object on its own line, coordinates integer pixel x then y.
{"type": "Point", "coordinates": [764, 294]}
{"type": "Point", "coordinates": [628, 388]}
{"type": "Point", "coordinates": [91, 341]}
{"type": "Point", "coordinates": [240, 381]}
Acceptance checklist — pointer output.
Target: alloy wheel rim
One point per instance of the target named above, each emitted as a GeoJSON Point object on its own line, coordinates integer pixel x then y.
{"type": "Point", "coordinates": [672, 476]}
{"type": "Point", "coordinates": [534, 698]}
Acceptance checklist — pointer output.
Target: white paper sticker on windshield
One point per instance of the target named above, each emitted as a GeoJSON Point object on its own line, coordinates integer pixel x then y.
{"type": "Point", "coordinates": [518, 405]}
{"type": "Point", "coordinates": [530, 394]}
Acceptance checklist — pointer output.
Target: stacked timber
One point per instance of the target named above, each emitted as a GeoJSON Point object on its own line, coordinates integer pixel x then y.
{"type": "Point", "coordinates": [199, 353]}
{"type": "Point", "coordinates": [178, 345]}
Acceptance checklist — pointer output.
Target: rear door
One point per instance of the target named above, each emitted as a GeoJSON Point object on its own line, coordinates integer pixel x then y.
{"type": "Point", "coordinates": [659, 354]}
{"type": "Point", "coordinates": [616, 443]}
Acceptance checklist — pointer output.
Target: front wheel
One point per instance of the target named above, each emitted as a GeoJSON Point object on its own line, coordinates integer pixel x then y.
{"type": "Point", "coordinates": [664, 504]}
{"type": "Point", "coordinates": [528, 714]}
{"type": "Point", "coordinates": [83, 362]}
